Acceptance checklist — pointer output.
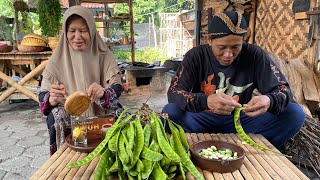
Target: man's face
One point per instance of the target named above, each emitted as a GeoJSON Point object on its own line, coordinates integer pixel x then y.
{"type": "Point", "coordinates": [226, 49]}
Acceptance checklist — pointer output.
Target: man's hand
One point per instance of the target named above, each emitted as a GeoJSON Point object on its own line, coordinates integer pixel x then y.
{"type": "Point", "coordinates": [95, 91]}
{"type": "Point", "coordinates": [257, 106]}
{"type": "Point", "coordinates": [221, 104]}
{"type": "Point", "coordinates": [57, 94]}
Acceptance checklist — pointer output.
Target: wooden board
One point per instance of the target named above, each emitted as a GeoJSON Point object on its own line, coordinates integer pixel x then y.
{"type": "Point", "coordinates": [257, 164]}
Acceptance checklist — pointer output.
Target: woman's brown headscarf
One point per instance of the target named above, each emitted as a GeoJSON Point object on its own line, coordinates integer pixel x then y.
{"type": "Point", "coordinates": [77, 70]}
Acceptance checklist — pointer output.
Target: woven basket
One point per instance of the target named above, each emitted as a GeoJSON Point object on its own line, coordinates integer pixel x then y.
{"type": "Point", "coordinates": [53, 41]}
{"type": "Point", "coordinates": [53, 45]}
{"type": "Point", "coordinates": [33, 40]}
{"type": "Point", "coordinates": [24, 48]}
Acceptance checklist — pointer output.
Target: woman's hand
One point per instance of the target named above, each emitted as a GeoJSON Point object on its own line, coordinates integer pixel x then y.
{"type": "Point", "coordinates": [57, 94]}
{"type": "Point", "coordinates": [95, 91]}
{"type": "Point", "coordinates": [221, 104]}
{"type": "Point", "coordinates": [257, 106]}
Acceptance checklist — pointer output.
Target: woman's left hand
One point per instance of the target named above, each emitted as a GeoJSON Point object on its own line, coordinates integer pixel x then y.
{"type": "Point", "coordinates": [257, 106]}
{"type": "Point", "coordinates": [95, 91]}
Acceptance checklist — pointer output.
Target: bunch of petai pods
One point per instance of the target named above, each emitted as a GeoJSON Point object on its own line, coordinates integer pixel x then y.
{"type": "Point", "coordinates": [137, 147]}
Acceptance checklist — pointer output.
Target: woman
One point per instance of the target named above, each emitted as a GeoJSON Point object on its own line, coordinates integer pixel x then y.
{"type": "Point", "coordinates": [81, 61]}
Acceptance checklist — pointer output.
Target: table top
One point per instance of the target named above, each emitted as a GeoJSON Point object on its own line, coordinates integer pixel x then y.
{"type": "Point", "coordinates": [25, 55]}
{"type": "Point", "coordinates": [257, 164]}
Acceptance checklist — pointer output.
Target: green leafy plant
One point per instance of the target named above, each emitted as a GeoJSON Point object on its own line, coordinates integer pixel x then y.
{"type": "Point", "coordinates": [142, 55]}
{"type": "Point", "coordinates": [49, 16]}
{"type": "Point", "coordinates": [5, 30]}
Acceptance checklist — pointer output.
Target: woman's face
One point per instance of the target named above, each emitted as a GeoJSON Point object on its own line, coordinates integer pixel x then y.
{"type": "Point", "coordinates": [78, 34]}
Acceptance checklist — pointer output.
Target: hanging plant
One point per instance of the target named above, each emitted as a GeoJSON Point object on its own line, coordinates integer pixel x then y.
{"type": "Point", "coordinates": [49, 17]}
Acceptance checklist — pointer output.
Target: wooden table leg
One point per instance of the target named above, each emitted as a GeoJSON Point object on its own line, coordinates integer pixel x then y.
{"type": "Point", "coordinates": [20, 71]}
{"type": "Point", "coordinates": [18, 85]}
{"type": "Point", "coordinates": [2, 70]}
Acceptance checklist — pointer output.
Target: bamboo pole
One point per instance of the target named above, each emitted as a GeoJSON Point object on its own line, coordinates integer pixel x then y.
{"type": "Point", "coordinates": [16, 86]}
{"type": "Point", "coordinates": [252, 22]}
{"type": "Point", "coordinates": [19, 86]}
{"type": "Point", "coordinates": [154, 32]}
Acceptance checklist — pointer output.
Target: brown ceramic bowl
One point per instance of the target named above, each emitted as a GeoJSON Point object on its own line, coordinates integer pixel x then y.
{"type": "Point", "coordinates": [217, 165]}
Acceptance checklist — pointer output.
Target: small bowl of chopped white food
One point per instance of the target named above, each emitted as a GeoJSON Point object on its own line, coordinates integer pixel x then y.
{"type": "Point", "coordinates": [217, 156]}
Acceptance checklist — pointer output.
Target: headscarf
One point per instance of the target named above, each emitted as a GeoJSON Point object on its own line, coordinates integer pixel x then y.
{"type": "Point", "coordinates": [227, 23]}
{"type": "Point", "coordinates": [77, 70]}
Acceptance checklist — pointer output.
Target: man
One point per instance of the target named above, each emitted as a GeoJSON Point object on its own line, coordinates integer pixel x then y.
{"type": "Point", "coordinates": [215, 78]}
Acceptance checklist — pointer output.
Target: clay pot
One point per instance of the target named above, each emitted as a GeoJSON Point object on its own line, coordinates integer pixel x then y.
{"type": "Point", "coordinates": [3, 47]}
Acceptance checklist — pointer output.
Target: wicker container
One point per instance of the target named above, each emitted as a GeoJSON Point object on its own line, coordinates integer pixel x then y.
{"type": "Point", "coordinates": [53, 41]}
{"type": "Point", "coordinates": [33, 40]}
{"type": "Point", "coordinates": [24, 48]}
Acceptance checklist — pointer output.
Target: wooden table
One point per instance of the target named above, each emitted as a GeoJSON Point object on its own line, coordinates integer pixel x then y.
{"type": "Point", "coordinates": [257, 164]}
{"type": "Point", "coordinates": [13, 60]}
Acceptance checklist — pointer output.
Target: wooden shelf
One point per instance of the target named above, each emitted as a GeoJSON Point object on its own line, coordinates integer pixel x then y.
{"type": "Point", "coordinates": [301, 16]}
{"type": "Point", "coordinates": [103, 1]}
{"type": "Point", "coordinates": [315, 12]}
{"type": "Point", "coordinates": [107, 25]}
{"type": "Point", "coordinates": [112, 26]}
{"type": "Point", "coordinates": [111, 19]}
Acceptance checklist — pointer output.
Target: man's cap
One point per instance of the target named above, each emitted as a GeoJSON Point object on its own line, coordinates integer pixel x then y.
{"type": "Point", "coordinates": [227, 23]}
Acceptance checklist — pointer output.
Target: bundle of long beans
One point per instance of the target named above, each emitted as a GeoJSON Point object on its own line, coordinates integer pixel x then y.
{"type": "Point", "coordinates": [306, 144]}
{"type": "Point", "coordinates": [137, 147]}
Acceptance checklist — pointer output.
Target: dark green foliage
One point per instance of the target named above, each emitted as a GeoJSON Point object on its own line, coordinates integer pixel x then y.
{"type": "Point", "coordinates": [49, 16]}
{"type": "Point", "coordinates": [142, 55]}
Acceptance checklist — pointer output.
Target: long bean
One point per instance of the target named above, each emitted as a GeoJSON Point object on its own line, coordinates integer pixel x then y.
{"type": "Point", "coordinates": [124, 158]}
{"type": "Point", "coordinates": [150, 155]}
{"type": "Point", "coordinates": [113, 142]}
{"type": "Point", "coordinates": [139, 143]}
{"type": "Point", "coordinates": [130, 135]}
{"type": "Point", "coordinates": [183, 155]}
{"type": "Point", "coordinates": [158, 173]}
{"type": "Point", "coordinates": [164, 144]}
{"type": "Point", "coordinates": [183, 174]}
{"type": "Point", "coordinates": [101, 146]}
{"type": "Point", "coordinates": [147, 134]}
{"type": "Point", "coordinates": [147, 168]}
{"type": "Point", "coordinates": [245, 137]}
{"type": "Point", "coordinates": [182, 137]}
{"type": "Point", "coordinates": [100, 172]}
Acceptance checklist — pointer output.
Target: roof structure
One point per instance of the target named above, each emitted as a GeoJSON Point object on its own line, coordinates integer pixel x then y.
{"type": "Point", "coordinates": [65, 4]}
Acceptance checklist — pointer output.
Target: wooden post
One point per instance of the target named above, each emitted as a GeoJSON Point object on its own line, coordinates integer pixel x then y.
{"type": "Point", "coordinates": [131, 30]}
{"type": "Point", "coordinates": [149, 33]}
{"type": "Point", "coordinates": [154, 32]}
{"type": "Point", "coordinates": [1, 70]}
{"type": "Point", "coordinates": [19, 86]}
{"type": "Point", "coordinates": [209, 15]}
{"type": "Point", "coordinates": [252, 21]}
{"type": "Point", "coordinates": [198, 8]}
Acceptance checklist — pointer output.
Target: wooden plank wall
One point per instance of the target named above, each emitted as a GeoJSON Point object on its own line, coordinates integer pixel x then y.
{"type": "Point", "coordinates": [278, 32]}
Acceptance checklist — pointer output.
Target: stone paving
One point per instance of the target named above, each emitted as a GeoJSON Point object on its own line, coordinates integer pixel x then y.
{"type": "Point", "coordinates": [24, 141]}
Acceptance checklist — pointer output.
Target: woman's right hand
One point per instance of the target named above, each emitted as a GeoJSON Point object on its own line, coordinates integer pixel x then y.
{"type": "Point", "coordinates": [57, 94]}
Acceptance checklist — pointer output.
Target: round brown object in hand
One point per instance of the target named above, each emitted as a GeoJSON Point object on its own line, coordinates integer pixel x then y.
{"type": "Point", "coordinates": [77, 103]}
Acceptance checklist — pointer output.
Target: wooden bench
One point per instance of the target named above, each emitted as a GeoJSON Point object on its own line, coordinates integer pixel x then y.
{"type": "Point", "coordinates": [257, 164]}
